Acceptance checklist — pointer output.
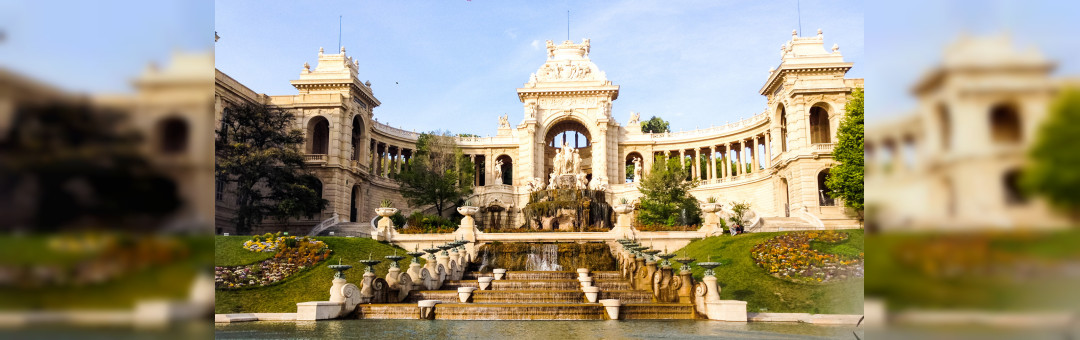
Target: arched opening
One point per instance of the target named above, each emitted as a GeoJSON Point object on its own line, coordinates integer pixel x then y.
{"type": "Point", "coordinates": [354, 199]}
{"type": "Point", "coordinates": [824, 198]}
{"type": "Point", "coordinates": [318, 136]}
{"type": "Point", "coordinates": [505, 170]}
{"type": "Point", "coordinates": [819, 126]}
{"type": "Point", "coordinates": [573, 134]}
{"type": "Point", "coordinates": [1005, 124]}
{"type": "Point", "coordinates": [174, 135]}
{"type": "Point", "coordinates": [634, 170]}
{"type": "Point", "coordinates": [1011, 182]}
{"type": "Point", "coordinates": [783, 129]}
{"type": "Point", "coordinates": [785, 198]}
{"type": "Point", "coordinates": [357, 133]}
{"type": "Point", "coordinates": [945, 123]}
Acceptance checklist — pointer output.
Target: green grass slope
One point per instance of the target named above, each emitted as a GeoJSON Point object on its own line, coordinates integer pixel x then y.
{"type": "Point", "coordinates": [741, 279]}
{"type": "Point", "coordinates": [312, 284]}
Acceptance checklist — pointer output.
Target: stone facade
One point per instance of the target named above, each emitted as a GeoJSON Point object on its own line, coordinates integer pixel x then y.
{"type": "Point", "coordinates": [955, 162]}
{"type": "Point", "coordinates": [568, 99]}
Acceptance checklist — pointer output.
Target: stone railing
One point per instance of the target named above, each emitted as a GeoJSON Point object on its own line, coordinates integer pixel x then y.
{"type": "Point", "coordinates": [315, 158]}
{"type": "Point", "coordinates": [712, 131]}
{"type": "Point", "coordinates": [823, 147]}
{"type": "Point", "coordinates": [753, 175]}
{"type": "Point", "coordinates": [393, 131]}
{"type": "Point", "coordinates": [805, 215]}
{"type": "Point", "coordinates": [326, 224]}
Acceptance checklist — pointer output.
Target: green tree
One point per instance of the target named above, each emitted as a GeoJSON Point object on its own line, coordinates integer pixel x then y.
{"type": "Point", "coordinates": [259, 151]}
{"type": "Point", "coordinates": [72, 165]}
{"type": "Point", "coordinates": [845, 180]}
{"type": "Point", "coordinates": [655, 125]}
{"type": "Point", "coordinates": [667, 199]}
{"type": "Point", "coordinates": [439, 174]}
{"type": "Point", "coordinates": [1054, 169]}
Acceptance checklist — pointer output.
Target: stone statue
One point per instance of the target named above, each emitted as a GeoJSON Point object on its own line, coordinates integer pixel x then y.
{"type": "Point", "coordinates": [530, 110]}
{"type": "Point", "coordinates": [536, 184]}
{"type": "Point", "coordinates": [575, 163]}
{"type": "Point", "coordinates": [637, 169]}
{"type": "Point", "coordinates": [582, 181]}
{"type": "Point", "coordinates": [504, 121]}
{"type": "Point", "coordinates": [635, 117]}
{"type": "Point", "coordinates": [498, 172]}
{"type": "Point", "coordinates": [599, 183]}
{"type": "Point", "coordinates": [550, 49]}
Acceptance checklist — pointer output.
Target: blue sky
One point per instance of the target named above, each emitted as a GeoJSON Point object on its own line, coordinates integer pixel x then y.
{"type": "Point", "coordinates": [455, 65]}
{"type": "Point", "coordinates": [99, 46]}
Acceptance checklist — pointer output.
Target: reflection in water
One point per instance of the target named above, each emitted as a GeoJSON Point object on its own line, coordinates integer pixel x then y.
{"type": "Point", "coordinates": [672, 329]}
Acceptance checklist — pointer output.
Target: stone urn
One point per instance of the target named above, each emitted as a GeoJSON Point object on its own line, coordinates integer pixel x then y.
{"type": "Point", "coordinates": [467, 228]}
{"type": "Point", "coordinates": [611, 306]}
{"type": "Point", "coordinates": [585, 281]}
{"type": "Point", "coordinates": [386, 212]}
{"type": "Point", "coordinates": [711, 207]}
{"type": "Point", "coordinates": [583, 272]}
{"type": "Point", "coordinates": [624, 208]}
{"type": "Point", "coordinates": [499, 273]}
{"type": "Point", "coordinates": [622, 221]}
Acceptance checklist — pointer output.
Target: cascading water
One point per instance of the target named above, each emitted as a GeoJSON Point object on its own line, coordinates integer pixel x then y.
{"type": "Point", "coordinates": [543, 257]}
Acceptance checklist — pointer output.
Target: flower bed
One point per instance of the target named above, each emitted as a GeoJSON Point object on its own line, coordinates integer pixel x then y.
{"type": "Point", "coordinates": [294, 254]}
{"type": "Point", "coordinates": [790, 257]}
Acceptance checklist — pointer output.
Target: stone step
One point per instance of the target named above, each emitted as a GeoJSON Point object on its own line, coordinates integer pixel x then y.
{"type": "Point", "coordinates": [531, 296]}
{"type": "Point", "coordinates": [548, 311]}
{"type": "Point", "coordinates": [389, 311]}
{"type": "Point", "coordinates": [656, 311]}
{"type": "Point", "coordinates": [544, 275]}
{"type": "Point", "coordinates": [538, 284]}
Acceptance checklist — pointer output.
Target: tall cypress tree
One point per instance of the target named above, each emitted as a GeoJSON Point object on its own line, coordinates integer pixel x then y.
{"type": "Point", "coordinates": [846, 179]}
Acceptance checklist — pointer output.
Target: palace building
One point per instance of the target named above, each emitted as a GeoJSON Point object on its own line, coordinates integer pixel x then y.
{"type": "Point", "coordinates": [782, 154]}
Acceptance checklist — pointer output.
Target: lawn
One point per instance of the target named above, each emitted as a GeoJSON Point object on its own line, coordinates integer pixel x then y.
{"type": "Point", "coordinates": [169, 281]}
{"type": "Point", "coordinates": [741, 279]}
{"type": "Point", "coordinates": [229, 251]}
{"type": "Point", "coordinates": [309, 285]}
{"type": "Point", "coordinates": [1011, 271]}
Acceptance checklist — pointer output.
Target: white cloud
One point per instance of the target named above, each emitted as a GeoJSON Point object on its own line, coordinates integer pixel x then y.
{"type": "Point", "coordinates": [536, 44]}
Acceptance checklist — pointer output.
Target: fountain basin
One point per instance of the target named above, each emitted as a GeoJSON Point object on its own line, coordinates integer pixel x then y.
{"type": "Point", "coordinates": [464, 293]}
{"type": "Point", "coordinates": [591, 293]}
{"type": "Point", "coordinates": [611, 306]}
{"type": "Point", "coordinates": [485, 282]}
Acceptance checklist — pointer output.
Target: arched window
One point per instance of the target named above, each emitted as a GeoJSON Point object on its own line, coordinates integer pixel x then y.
{"type": "Point", "coordinates": [819, 126]}
{"type": "Point", "coordinates": [783, 129]}
{"type": "Point", "coordinates": [824, 198]}
{"type": "Point", "coordinates": [630, 170]}
{"type": "Point", "coordinates": [354, 200]}
{"type": "Point", "coordinates": [1013, 194]}
{"type": "Point", "coordinates": [317, 186]}
{"type": "Point", "coordinates": [357, 132]}
{"type": "Point", "coordinates": [174, 135]}
{"type": "Point", "coordinates": [506, 170]}
{"type": "Point", "coordinates": [318, 136]}
{"type": "Point", "coordinates": [1005, 124]}
{"type": "Point", "coordinates": [946, 126]}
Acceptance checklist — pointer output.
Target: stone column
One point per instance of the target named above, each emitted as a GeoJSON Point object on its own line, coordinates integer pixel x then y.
{"type": "Point", "coordinates": [755, 166]}
{"type": "Point", "coordinates": [740, 168]}
{"type": "Point", "coordinates": [695, 164]}
{"type": "Point", "coordinates": [476, 172]}
{"type": "Point", "coordinates": [768, 148]}
{"type": "Point", "coordinates": [730, 158]}
{"type": "Point", "coordinates": [712, 162]}
{"type": "Point", "coordinates": [374, 150]}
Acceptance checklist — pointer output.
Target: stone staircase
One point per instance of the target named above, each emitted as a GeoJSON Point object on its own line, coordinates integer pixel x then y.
{"type": "Point", "coordinates": [532, 295]}
{"type": "Point", "coordinates": [357, 229]}
{"type": "Point", "coordinates": [771, 224]}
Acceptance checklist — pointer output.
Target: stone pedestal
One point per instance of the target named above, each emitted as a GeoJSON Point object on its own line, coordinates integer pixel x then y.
{"type": "Point", "coordinates": [499, 273]}
{"type": "Point", "coordinates": [444, 261]}
{"type": "Point", "coordinates": [367, 291]}
{"type": "Point", "coordinates": [687, 289]}
{"type": "Point", "coordinates": [623, 222]}
{"type": "Point", "coordinates": [711, 224]}
{"type": "Point", "coordinates": [414, 274]}
{"type": "Point", "coordinates": [650, 269]}
{"type": "Point", "coordinates": [467, 229]}
{"type": "Point", "coordinates": [727, 310]}
{"type": "Point", "coordinates": [427, 309]}
{"type": "Point", "coordinates": [582, 272]}
{"type": "Point", "coordinates": [713, 294]}
{"type": "Point", "coordinates": [392, 276]}
{"type": "Point", "coordinates": [335, 290]}
{"type": "Point", "coordinates": [585, 281]}
{"type": "Point", "coordinates": [385, 227]}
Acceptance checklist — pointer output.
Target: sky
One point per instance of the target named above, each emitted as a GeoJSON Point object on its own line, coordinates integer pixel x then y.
{"type": "Point", "coordinates": [455, 65]}
{"type": "Point", "coordinates": [99, 46]}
